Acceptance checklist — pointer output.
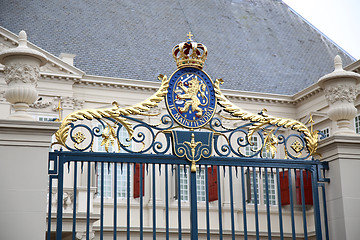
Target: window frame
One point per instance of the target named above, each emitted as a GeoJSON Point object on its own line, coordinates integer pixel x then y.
{"type": "Point", "coordinates": [326, 135]}
{"type": "Point", "coordinates": [261, 187]}
{"type": "Point", "coordinates": [200, 197]}
{"type": "Point", "coordinates": [357, 123]}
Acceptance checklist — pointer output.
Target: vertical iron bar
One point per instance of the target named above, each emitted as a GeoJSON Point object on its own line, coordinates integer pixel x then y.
{"type": "Point", "coordinates": [74, 205]}
{"type": "Point", "coordinates": [154, 202]}
{"type": "Point", "coordinates": [207, 203]}
{"type": "Point", "coordinates": [291, 205]}
{"type": "Point", "coordinates": [279, 204]}
{"type": "Point", "coordinates": [141, 202]}
{"type": "Point", "coordinates": [303, 204]}
{"type": "Point", "coordinates": [231, 204]}
{"type": "Point", "coordinates": [128, 201]}
{"type": "Point", "coordinates": [255, 187]}
{"type": "Point", "coordinates": [88, 202]}
{"type": "Point", "coordinates": [267, 203]}
{"type": "Point", "coordinates": [166, 202]}
{"type": "Point", "coordinates": [316, 202]}
{"type": "Point", "coordinates": [193, 207]}
{"type": "Point", "coordinates": [115, 201]}
{"type": "Point", "coordinates": [325, 212]}
{"type": "Point", "coordinates": [219, 204]}
{"type": "Point", "coordinates": [49, 208]}
{"type": "Point", "coordinates": [244, 202]}
{"type": "Point", "coordinates": [179, 201]}
{"type": "Point", "coordinates": [60, 200]}
{"type": "Point", "coordinates": [102, 203]}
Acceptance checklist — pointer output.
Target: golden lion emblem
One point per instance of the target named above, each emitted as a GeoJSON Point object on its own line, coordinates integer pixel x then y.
{"type": "Point", "coordinates": [190, 96]}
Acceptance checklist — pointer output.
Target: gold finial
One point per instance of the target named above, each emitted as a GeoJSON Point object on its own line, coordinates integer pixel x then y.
{"type": "Point", "coordinates": [192, 144]}
{"type": "Point", "coordinates": [311, 121]}
{"type": "Point", "coordinates": [59, 109]}
{"type": "Point", "coordinates": [189, 36]}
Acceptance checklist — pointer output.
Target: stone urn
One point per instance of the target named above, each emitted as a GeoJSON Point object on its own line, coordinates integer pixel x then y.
{"type": "Point", "coordinates": [21, 75]}
{"type": "Point", "coordinates": [341, 90]}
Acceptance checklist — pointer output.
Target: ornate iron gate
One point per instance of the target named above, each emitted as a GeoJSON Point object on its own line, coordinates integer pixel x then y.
{"type": "Point", "coordinates": [260, 179]}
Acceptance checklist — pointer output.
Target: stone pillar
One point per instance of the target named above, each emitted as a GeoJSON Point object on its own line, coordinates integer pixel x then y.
{"type": "Point", "coordinates": [24, 148]}
{"type": "Point", "coordinates": [343, 191]}
{"type": "Point", "coordinates": [342, 152]}
{"type": "Point", "coordinates": [21, 75]}
{"type": "Point", "coordinates": [340, 92]}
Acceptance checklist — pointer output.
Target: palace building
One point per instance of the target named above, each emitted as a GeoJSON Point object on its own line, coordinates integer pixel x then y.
{"type": "Point", "coordinates": [126, 110]}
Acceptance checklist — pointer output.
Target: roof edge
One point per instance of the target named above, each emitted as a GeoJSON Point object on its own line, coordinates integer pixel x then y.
{"type": "Point", "coordinates": [52, 59]}
{"type": "Point", "coordinates": [320, 32]}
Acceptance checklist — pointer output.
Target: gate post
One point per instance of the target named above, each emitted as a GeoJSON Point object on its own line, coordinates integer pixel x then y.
{"type": "Point", "coordinates": [342, 152]}
{"type": "Point", "coordinates": [24, 148]}
{"type": "Point", "coordinates": [342, 194]}
{"type": "Point", "coordinates": [193, 207]}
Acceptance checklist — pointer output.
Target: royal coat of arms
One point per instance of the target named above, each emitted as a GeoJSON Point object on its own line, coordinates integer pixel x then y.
{"type": "Point", "coordinates": [191, 98]}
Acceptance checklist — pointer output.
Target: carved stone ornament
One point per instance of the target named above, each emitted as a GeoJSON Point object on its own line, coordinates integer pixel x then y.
{"type": "Point", "coordinates": [40, 104]}
{"type": "Point", "coordinates": [341, 92]}
{"type": "Point", "coordinates": [340, 89]}
{"type": "Point", "coordinates": [82, 235]}
{"type": "Point", "coordinates": [21, 73]}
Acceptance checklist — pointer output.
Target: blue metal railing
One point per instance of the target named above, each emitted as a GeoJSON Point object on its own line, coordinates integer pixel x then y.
{"type": "Point", "coordinates": [232, 199]}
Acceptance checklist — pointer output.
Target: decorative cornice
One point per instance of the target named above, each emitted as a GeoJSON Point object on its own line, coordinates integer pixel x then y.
{"type": "Point", "coordinates": [65, 77]}
{"type": "Point", "coordinates": [354, 67]}
{"type": "Point", "coordinates": [306, 93]}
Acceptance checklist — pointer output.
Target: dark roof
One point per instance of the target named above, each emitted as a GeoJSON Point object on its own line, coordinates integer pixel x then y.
{"type": "Point", "coordinates": [254, 45]}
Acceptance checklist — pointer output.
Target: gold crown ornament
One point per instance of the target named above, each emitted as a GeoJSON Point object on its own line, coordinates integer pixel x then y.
{"type": "Point", "coordinates": [190, 53]}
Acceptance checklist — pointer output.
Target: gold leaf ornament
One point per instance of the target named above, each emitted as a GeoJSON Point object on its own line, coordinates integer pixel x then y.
{"type": "Point", "coordinates": [271, 141]}
{"type": "Point", "coordinates": [114, 112]}
{"type": "Point", "coordinates": [108, 136]}
{"type": "Point", "coordinates": [260, 120]}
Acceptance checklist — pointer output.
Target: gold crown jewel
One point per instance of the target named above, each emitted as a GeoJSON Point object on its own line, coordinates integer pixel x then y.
{"type": "Point", "coordinates": [190, 53]}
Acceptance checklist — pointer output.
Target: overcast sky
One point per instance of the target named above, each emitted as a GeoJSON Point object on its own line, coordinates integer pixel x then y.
{"type": "Point", "coordinates": [339, 20]}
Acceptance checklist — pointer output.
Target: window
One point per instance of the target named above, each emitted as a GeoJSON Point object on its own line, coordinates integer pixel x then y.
{"type": "Point", "coordinates": [324, 133]}
{"type": "Point", "coordinates": [46, 118]}
{"type": "Point", "coordinates": [271, 188]}
{"type": "Point", "coordinates": [184, 185]}
{"type": "Point", "coordinates": [254, 146]}
{"type": "Point", "coordinates": [357, 124]}
{"type": "Point", "coordinates": [121, 169]}
{"type": "Point", "coordinates": [251, 185]}
{"type": "Point", "coordinates": [200, 184]}
{"type": "Point", "coordinates": [261, 188]}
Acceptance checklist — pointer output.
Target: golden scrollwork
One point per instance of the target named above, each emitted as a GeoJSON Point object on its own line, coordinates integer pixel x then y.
{"type": "Point", "coordinates": [114, 112]}
{"type": "Point", "coordinates": [261, 120]}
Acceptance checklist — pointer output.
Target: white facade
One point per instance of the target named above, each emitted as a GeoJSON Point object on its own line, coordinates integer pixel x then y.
{"type": "Point", "coordinates": [60, 84]}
